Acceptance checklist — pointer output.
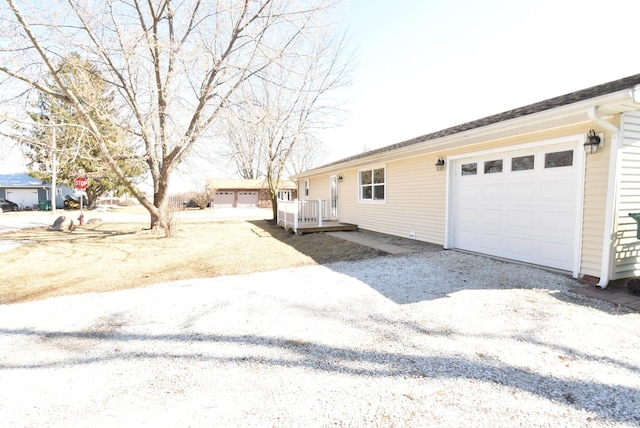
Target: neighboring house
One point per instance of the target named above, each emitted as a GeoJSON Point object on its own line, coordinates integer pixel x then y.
{"type": "Point", "coordinates": [522, 185]}
{"type": "Point", "coordinates": [29, 192]}
{"type": "Point", "coordinates": [241, 193]}
{"type": "Point", "coordinates": [24, 190]}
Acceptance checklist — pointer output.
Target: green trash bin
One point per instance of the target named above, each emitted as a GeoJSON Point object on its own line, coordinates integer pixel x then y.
{"type": "Point", "coordinates": [636, 217]}
{"type": "Point", "coordinates": [44, 205]}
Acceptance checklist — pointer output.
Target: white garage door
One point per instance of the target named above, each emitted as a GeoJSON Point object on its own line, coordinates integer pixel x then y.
{"type": "Point", "coordinates": [247, 199]}
{"type": "Point", "coordinates": [223, 200]}
{"type": "Point", "coordinates": [23, 197]}
{"type": "Point", "coordinates": [520, 205]}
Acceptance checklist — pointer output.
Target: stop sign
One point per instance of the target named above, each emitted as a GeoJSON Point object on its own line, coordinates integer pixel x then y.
{"type": "Point", "coordinates": [81, 183]}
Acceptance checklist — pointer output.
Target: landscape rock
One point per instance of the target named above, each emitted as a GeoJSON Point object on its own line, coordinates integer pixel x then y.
{"type": "Point", "coordinates": [62, 224]}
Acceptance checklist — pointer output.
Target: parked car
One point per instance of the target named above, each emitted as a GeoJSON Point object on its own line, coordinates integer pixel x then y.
{"type": "Point", "coordinates": [7, 205]}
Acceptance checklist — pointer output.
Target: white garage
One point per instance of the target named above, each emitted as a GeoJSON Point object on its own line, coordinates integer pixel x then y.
{"type": "Point", "coordinates": [247, 199]}
{"type": "Point", "coordinates": [520, 204]}
{"type": "Point", "coordinates": [23, 197]}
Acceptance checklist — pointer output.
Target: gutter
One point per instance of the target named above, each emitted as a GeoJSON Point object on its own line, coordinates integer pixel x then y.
{"type": "Point", "coordinates": [612, 190]}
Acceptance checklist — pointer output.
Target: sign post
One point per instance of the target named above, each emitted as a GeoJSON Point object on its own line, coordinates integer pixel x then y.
{"type": "Point", "coordinates": [81, 183]}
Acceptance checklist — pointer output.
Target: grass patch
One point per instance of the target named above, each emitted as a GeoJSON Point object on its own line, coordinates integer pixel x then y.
{"type": "Point", "coordinates": [115, 256]}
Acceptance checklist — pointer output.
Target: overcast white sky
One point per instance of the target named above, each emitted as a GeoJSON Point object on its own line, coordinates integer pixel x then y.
{"type": "Point", "coordinates": [424, 65]}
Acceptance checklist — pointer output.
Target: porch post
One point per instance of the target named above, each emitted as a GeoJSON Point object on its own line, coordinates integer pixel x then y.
{"type": "Point", "coordinates": [320, 212]}
{"type": "Point", "coordinates": [295, 215]}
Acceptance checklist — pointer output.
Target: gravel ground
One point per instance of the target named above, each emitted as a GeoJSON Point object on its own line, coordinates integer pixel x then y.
{"type": "Point", "coordinates": [434, 338]}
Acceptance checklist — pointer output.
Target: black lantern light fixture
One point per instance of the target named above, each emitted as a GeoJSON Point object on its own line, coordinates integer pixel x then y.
{"type": "Point", "coordinates": [592, 142]}
{"type": "Point", "coordinates": [440, 163]}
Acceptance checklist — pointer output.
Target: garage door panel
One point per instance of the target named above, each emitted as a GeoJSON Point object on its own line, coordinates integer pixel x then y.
{"type": "Point", "coordinates": [25, 198]}
{"type": "Point", "coordinates": [247, 199]}
{"type": "Point", "coordinates": [555, 255]}
{"type": "Point", "coordinates": [557, 223]}
{"type": "Point", "coordinates": [492, 191]}
{"type": "Point", "coordinates": [224, 200]}
{"type": "Point", "coordinates": [491, 243]}
{"type": "Point", "coordinates": [523, 191]}
{"type": "Point", "coordinates": [525, 215]}
{"type": "Point", "coordinates": [522, 246]}
{"type": "Point", "coordinates": [557, 191]}
{"type": "Point", "coordinates": [491, 217]}
{"type": "Point", "coordinates": [469, 192]}
{"type": "Point", "coordinates": [520, 219]}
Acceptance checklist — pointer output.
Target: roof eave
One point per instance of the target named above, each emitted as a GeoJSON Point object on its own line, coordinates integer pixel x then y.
{"type": "Point", "coordinates": [575, 113]}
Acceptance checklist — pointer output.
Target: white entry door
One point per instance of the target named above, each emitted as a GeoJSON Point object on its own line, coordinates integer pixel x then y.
{"type": "Point", "coordinates": [521, 205]}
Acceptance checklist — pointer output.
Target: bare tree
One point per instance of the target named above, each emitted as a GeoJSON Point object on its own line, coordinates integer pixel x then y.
{"type": "Point", "coordinates": [174, 66]}
{"type": "Point", "coordinates": [271, 130]}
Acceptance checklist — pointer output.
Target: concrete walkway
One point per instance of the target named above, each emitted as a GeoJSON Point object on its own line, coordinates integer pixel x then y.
{"type": "Point", "coordinates": [369, 241]}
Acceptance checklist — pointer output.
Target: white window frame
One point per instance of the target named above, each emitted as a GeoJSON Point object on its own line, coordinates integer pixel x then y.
{"type": "Point", "coordinates": [360, 185]}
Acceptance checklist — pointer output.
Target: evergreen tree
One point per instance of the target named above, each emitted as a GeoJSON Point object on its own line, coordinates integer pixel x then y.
{"type": "Point", "coordinates": [59, 131]}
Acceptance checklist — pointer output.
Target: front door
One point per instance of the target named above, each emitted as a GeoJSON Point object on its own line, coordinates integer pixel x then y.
{"type": "Point", "coordinates": [333, 203]}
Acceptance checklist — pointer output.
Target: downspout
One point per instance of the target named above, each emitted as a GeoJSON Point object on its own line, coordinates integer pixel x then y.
{"type": "Point", "coordinates": [609, 220]}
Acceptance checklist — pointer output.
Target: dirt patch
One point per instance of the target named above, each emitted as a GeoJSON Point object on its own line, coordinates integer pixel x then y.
{"type": "Point", "coordinates": [112, 255]}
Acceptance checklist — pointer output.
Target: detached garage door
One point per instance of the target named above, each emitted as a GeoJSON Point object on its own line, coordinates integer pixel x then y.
{"type": "Point", "coordinates": [223, 200]}
{"type": "Point", "coordinates": [521, 205]}
{"type": "Point", "coordinates": [247, 199]}
{"type": "Point", "coordinates": [23, 197]}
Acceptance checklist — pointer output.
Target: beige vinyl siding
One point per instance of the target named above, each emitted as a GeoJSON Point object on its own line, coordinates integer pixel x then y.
{"type": "Point", "coordinates": [414, 200]}
{"type": "Point", "coordinates": [596, 185]}
{"type": "Point", "coordinates": [626, 243]}
{"type": "Point", "coordinates": [319, 187]}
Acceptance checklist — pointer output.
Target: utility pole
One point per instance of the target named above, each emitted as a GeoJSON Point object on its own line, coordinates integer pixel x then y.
{"type": "Point", "coordinates": [54, 172]}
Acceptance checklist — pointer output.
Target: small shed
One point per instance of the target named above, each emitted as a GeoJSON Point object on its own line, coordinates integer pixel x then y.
{"type": "Point", "coordinates": [247, 193]}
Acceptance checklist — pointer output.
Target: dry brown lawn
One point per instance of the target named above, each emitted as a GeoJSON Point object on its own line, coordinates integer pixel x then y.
{"type": "Point", "coordinates": [113, 255]}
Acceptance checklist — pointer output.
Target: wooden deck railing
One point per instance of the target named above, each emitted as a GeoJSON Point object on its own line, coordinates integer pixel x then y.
{"type": "Point", "coordinates": [297, 213]}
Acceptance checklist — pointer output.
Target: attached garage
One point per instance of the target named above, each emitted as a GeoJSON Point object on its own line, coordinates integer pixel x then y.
{"type": "Point", "coordinates": [25, 198]}
{"type": "Point", "coordinates": [521, 204]}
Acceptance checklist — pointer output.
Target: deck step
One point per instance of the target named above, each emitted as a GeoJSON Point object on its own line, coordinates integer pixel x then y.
{"type": "Point", "coordinates": [329, 228]}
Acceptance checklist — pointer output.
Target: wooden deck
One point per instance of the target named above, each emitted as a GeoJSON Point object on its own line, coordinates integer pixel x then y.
{"type": "Point", "coordinates": [327, 226]}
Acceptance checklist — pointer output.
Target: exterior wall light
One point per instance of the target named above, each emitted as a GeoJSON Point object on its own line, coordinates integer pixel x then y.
{"type": "Point", "coordinates": [339, 177]}
{"type": "Point", "coordinates": [592, 142]}
{"type": "Point", "coordinates": [440, 163]}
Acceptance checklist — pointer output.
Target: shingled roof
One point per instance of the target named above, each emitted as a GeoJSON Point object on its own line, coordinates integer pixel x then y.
{"type": "Point", "coordinates": [573, 97]}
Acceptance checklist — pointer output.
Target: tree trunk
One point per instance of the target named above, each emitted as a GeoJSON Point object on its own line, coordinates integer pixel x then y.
{"type": "Point", "coordinates": [274, 205]}
{"type": "Point", "coordinates": [161, 215]}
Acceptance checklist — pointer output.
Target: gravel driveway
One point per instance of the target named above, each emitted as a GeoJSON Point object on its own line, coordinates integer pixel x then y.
{"type": "Point", "coordinates": [440, 338]}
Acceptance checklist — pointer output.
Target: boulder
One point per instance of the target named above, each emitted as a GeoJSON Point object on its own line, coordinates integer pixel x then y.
{"type": "Point", "coordinates": [95, 220]}
{"type": "Point", "coordinates": [62, 224]}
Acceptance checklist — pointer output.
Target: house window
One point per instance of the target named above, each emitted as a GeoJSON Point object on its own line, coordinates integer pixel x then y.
{"type": "Point", "coordinates": [522, 163]}
{"type": "Point", "coordinates": [558, 159]}
{"type": "Point", "coordinates": [306, 188]}
{"type": "Point", "coordinates": [493, 166]}
{"type": "Point", "coordinates": [470, 169]}
{"type": "Point", "coordinates": [284, 195]}
{"type": "Point", "coordinates": [372, 184]}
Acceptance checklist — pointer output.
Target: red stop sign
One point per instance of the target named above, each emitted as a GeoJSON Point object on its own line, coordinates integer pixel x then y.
{"type": "Point", "coordinates": [81, 183]}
